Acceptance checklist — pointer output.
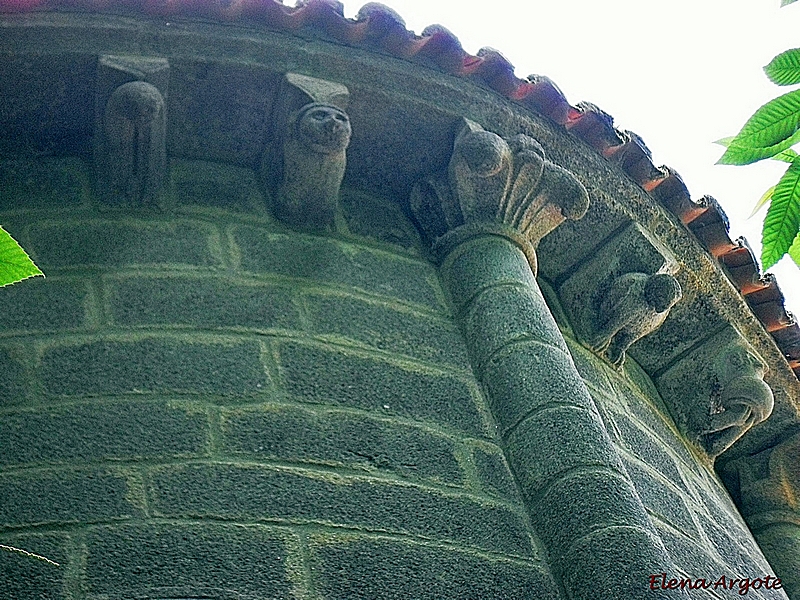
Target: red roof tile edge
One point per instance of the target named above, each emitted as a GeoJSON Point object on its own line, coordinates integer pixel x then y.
{"type": "Point", "coordinates": [378, 27]}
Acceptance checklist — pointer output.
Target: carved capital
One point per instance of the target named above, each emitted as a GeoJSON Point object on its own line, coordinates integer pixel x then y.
{"type": "Point", "coordinates": [621, 293]}
{"type": "Point", "coordinates": [716, 393]}
{"type": "Point", "coordinates": [305, 162]}
{"type": "Point", "coordinates": [130, 133]}
{"type": "Point", "coordinates": [506, 185]}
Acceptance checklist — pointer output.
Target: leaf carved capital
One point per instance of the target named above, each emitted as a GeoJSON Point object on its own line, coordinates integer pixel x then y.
{"type": "Point", "coordinates": [505, 185]}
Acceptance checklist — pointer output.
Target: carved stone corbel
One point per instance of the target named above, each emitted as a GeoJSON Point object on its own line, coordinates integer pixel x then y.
{"type": "Point", "coordinates": [716, 392]}
{"type": "Point", "coordinates": [622, 293]}
{"type": "Point", "coordinates": [130, 132]}
{"type": "Point", "coordinates": [305, 164]}
{"type": "Point", "coordinates": [506, 185]}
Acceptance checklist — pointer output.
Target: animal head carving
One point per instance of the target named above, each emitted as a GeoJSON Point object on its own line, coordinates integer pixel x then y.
{"type": "Point", "coordinates": [322, 128]}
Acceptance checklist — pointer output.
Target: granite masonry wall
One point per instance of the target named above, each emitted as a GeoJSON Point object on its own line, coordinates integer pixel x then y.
{"type": "Point", "coordinates": [206, 403]}
{"type": "Point", "coordinates": [202, 402]}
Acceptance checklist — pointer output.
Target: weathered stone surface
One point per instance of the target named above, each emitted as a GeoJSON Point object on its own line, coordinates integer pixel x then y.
{"type": "Point", "coordinates": [44, 305]}
{"type": "Point", "coordinates": [552, 442]}
{"type": "Point", "coordinates": [215, 185]}
{"type": "Point", "coordinates": [330, 376]}
{"type": "Point", "coordinates": [41, 183]}
{"type": "Point", "coordinates": [23, 577]}
{"type": "Point", "coordinates": [94, 432]}
{"type": "Point", "coordinates": [182, 560]}
{"type": "Point", "coordinates": [329, 437]}
{"type": "Point", "coordinates": [250, 492]}
{"type": "Point", "coordinates": [153, 365]}
{"type": "Point", "coordinates": [353, 568]}
{"type": "Point", "coordinates": [389, 328]}
{"type": "Point", "coordinates": [117, 243]}
{"type": "Point", "coordinates": [202, 302]}
{"type": "Point", "coordinates": [54, 497]}
{"type": "Point", "coordinates": [335, 262]}
{"type": "Point", "coordinates": [13, 384]}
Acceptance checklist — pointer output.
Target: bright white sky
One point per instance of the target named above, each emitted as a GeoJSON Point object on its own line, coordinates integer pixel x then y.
{"type": "Point", "coordinates": [680, 73]}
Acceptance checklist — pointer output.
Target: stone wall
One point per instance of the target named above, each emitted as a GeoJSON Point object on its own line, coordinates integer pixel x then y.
{"type": "Point", "coordinates": [204, 401]}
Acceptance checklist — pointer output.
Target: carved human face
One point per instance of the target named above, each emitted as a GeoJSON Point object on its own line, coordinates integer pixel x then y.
{"type": "Point", "coordinates": [324, 128]}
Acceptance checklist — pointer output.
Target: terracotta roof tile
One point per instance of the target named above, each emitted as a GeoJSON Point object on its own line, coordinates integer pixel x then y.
{"type": "Point", "coordinates": [380, 28]}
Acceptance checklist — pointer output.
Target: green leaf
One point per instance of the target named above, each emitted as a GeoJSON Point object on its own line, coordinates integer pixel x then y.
{"type": "Point", "coordinates": [783, 217]}
{"type": "Point", "coordinates": [772, 129]}
{"type": "Point", "coordinates": [787, 2]}
{"type": "Point", "coordinates": [794, 250]}
{"type": "Point", "coordinates": [765, 197]}
{"type": "Point", "coordinates": [15, 265]}
{"type": "Point", "coordinates": [784, 69]}
{"type": "Point", "coordinates": [787, 155]}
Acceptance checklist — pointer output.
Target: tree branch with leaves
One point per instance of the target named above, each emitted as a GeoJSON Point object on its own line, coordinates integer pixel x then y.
{"type": "Point", "coordinates": [770, 133]}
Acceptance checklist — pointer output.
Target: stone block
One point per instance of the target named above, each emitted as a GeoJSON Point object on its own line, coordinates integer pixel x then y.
{"type": "Point", "coordinates": [482, 263]}
{"type": "Point", "coordinates": [64, 496]}
{"type": "Point", "coordinates": [202, 302]}
{"type": "Point", "coordinates": [661, 499]}
{"type": "Point", "coordinates": [95, 432]}
{"type": "Point", "coordinates": [249, 492]}
{"type": "Point", "coordinates": [112, 244]}
{"type": "Point", "coordinates": [215, 185]}
{"type": "Point", "coordinates": [331, 261]}
{"type": "Point", "coordinates": [690, 554]}
{"type": "Point", "coordinates": [648, 448]}
{"type": "Point", "coordinates": [353, 568]}
{"type": "Point", "coordinates": [616, 563]}
{"type": "Point", "coordinates": [330, 376]}
{"type": "Point", "coordinates": [500, 316]}
{"type": "Point", "coordinates": [528, 377]}
{"type": "Point", "coordinates": [387, 328]}
{"type": "Point", "coordinates": [338, 438]}
{"type": "Point", "coordinates": [24, 577]}
{"type": "Point", "coordinates": [153, 365]}
{"type": "Point", "coordinates": [13, 384]}
{"type": "Point", "coordinates": [43, 183]}
{"type": "Point", "coordinates": [493, 472]}
{"type": "Point", "coordinates": [555, 440]}
{"type": "Point", "coordinates": [730, 550]}
{"type": "Point", "coordinates": [591, 369]}
{"type": "Point", "coordinates": [44, 305]}
{"type": "Point", "coordinates": [655, 417]}
{"type": "Point", "coordinates": [172, 560]}
{"type": "Point", "coordinates": [596, 500]}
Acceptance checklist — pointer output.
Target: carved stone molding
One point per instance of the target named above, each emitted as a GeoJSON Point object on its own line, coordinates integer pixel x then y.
{"type": "Point", "coordinates": [306, 159]}
{"type": "Point", "coordinates": [716, 392]}
{"type": "Point", "coordinates": [622, 293]}
{"type": "Point", "coordinates": [130, 131]}
{"type": "Point", "coordinates": [502, 185]}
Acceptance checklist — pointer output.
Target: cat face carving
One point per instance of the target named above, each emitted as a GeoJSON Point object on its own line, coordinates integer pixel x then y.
{"type": "Point", "coordinates": [323, 128]}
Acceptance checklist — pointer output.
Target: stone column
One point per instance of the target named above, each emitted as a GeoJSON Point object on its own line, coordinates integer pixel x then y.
{"type": "Point", "coordinates": [500, 199]}
{"type": "Point", "coordinates": [769, 493]}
